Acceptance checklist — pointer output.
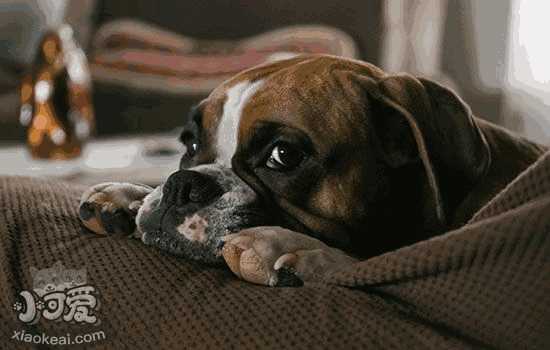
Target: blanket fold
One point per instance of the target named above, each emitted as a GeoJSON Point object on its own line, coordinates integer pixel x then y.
{"type": "Point", "coordinates": [489, 280]}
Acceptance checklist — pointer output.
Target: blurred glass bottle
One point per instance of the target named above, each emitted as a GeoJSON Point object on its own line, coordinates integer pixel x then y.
{"type": "Point", "coordinates": [56, 105]}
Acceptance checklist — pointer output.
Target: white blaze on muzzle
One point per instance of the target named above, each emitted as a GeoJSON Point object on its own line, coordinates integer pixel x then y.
{"type": "Point", "coordinates": [194, 228]}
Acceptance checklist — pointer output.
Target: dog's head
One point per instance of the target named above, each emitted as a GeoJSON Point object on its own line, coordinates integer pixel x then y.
{"type": "Point", "coordinates": [326, 146]}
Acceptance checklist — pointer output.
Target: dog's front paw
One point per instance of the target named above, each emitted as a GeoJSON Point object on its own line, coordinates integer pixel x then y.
{"type": "Point", "coordinates": [276, 256]}
{"type": "Point", "coordinates": [111, 207]}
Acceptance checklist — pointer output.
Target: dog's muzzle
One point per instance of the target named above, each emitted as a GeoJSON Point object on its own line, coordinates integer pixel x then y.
{"type": "Point", "coordinates": [194, 208]}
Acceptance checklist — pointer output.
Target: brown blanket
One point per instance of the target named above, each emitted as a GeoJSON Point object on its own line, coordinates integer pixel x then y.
{"type": "Point", "coordinates": [484, 285]}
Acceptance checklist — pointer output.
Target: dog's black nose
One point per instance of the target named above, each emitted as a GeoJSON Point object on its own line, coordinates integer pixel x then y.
{"type": "Point", "coordinates": [188, 186]}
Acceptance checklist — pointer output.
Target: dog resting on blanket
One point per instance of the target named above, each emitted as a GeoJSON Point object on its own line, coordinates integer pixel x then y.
{"type": "Point", "coordinates": [298, 167]}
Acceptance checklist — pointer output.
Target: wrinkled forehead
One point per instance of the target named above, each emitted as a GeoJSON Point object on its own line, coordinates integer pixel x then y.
{"type": "Point", "coordinates": [222, 112]}
{"type": "Point", "coordinates": [240, 90]}
{"type": "Point", "coordinates": [290, 92]}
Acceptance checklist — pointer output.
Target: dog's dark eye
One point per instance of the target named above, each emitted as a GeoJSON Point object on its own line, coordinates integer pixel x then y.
{"type": "Point", "coordinates": [284, 156]}
{"type": "Point", "coordinates": [192, 149]}
{"type": "Point", "coordinates": [190, 142]}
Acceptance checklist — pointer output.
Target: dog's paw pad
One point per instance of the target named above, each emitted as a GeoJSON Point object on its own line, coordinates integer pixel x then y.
{"type": "Point", "coordinates": [286, 277]}
{"type": "Point", "coordinates": [111, 208]}
{"type": "Point", "coordinates": [105, 218]}
{"type": "Point", "coordinates": [117, 221]}
{"type": "Point", "coordinates": [86, 211]}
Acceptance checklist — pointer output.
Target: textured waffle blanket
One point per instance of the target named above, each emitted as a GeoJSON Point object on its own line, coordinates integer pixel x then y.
{"type": "Point", "coordinates": [485, 285]}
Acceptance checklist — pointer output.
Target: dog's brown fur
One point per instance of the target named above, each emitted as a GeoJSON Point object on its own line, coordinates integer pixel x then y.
{"type": "Point", "coordinates": [395, 159]}
{"type": "Point", "coordinates": [384, 130]}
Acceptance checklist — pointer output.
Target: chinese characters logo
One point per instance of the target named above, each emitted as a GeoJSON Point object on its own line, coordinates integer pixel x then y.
{"type": "Point", "coordinates": [58, 294]}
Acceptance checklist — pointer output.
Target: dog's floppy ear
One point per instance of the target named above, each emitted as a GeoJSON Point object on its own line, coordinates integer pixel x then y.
{"type": "Point", "coordinates": [420, 119]}
{"type": "Point", "coordinates": [459, 143]}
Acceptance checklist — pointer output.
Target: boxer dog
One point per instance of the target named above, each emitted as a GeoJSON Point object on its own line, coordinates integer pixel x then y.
{"type": "Point", "coordinates": [308, 164]}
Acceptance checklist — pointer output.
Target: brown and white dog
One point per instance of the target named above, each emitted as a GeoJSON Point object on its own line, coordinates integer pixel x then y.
{"type": "Point", "coordinates": [310, 163]}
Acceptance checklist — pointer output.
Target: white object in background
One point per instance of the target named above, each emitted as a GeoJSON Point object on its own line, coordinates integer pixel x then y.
{"type": "Point", "coordinates": [149, 159]}
{"type": "Point", "coordinates": [16, 160]}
